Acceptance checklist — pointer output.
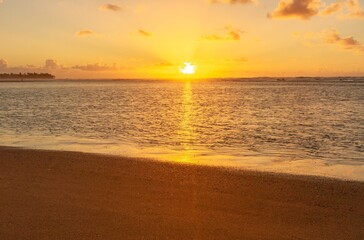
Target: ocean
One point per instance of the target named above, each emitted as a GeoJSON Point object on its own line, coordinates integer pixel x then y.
{"type": "Point", "coordinates": [301, 125]}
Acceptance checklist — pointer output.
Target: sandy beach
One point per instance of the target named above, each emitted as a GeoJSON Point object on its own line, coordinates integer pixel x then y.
{"type": "Point", "coordinates": [70, 195]}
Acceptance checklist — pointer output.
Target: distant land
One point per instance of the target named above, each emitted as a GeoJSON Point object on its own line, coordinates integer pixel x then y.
{"type": "Point", "coordinates": [34, 77]}
{"type": "Point", "coordinates": [21, 76]}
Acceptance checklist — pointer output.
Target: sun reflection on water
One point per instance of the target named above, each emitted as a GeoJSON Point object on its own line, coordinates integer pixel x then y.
{"type": "Point", "coordinates": [186, 131]}
{"type": "Point", "coordinates": [289, 126]}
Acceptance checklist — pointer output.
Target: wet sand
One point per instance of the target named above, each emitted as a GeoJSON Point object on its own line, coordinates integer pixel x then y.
{"type": "Point", "coordinates": [69, 195]}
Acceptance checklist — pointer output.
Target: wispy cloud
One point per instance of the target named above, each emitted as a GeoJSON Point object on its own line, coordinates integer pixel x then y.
{"type": "Point", "coordinates": [230, 33]}
{"type": "Point", "coordinates": [111, 7]}
{"type": "Point", "coordinates": [347, 8]}
{"type": "Point", "coordinates": [96, 67]}
{"type": "Point", "coordinates": [302, 9]}
{"type": "Point", "coordinates": [164, 64]}
{"type": "Point", "coordinates": [213, 37]}
{"type": "Point", "coordinates": [356, 10]}
{"type": "Point", "coordinates": [49, 65]}
{"type": "Point", "coordinates": [54, 67]}
{"type": "Point", "coordinates": [233, 1]}
{"type": "Point", "coordinates": [332, 8]}
{"type": "Point", "coordinates": [332, 36]}
{"type": "Point", "coordinates": [144, 33]}
{"type": "Point", "coordinates": [85, 32]}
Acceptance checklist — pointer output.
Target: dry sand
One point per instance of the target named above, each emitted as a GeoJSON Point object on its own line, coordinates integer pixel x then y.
{"type": "Point", "coordinates": [68, 195]}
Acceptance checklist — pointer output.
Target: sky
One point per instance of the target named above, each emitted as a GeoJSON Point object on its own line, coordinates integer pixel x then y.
{"type": "Point", "coordinates": [154, 38]}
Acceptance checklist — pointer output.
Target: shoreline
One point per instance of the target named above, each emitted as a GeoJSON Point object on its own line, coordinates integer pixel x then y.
{"type": "Point", "coordinates": [163, 161]}
{"type": "Point", "coordinates": [345, 78]}
{"type": "Point", "coordinates": [304, 167]}
{"type": "Point", "coordinates": [48, 194]}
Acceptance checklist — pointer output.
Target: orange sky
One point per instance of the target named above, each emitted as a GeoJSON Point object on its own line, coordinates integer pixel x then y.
{"type": "Point", "coordinates": [152, 39]}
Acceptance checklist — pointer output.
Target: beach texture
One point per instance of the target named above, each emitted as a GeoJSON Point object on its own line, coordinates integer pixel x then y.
{"type": "Point", "coordinates": [69, 195]}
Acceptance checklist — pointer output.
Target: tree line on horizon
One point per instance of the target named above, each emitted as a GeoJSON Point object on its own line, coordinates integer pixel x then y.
{"type": "Point", "coordinates": [26, 76]}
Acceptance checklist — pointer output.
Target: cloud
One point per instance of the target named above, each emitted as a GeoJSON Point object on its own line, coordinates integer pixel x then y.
{"type": "Point", "coordinates": [96, 67]}
{"type": "Point", "coordinates": [54, 67]}
{"type": "Point", "coordinates": [164, 64]}
{"type": "Point", "coordinates": [230, 34]}
{"type": "Point", "coordinates": [85, 32]}
{"type": "Point", "coordinates": [144, 33]}
{"type": "Point", "coordinates": [233, 1]}
{"type": "Point", "coordinates": [305, 9]}
{"type": "Point", "coordinates": [234, 34]}
{"type": "Point", "coordinates": [302, 9]}
{"type": "Point", "coordinates": [4, 67]}
{"type": "Point", "coordinates": [51, 64]}
{"type": "Point", "coordinates": [332, 8]}
{"type": "Point", "coordinates": [111, 7]}
{"type": "Point", "coordinates": [332, 36]}
{"type": "Point", "coordinates": [359, 14]}
{"type": "Point", "coordinates": [349, 8]}
{"type": "Point", "coordinates": [213, 37]}
{"type": "Point", "coordinates": [356, 11]}
{"type": "Point", "coordinates": [3, 63]}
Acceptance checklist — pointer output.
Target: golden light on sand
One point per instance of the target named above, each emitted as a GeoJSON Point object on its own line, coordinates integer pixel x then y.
{"type": "Point", "coordinates": [188, 68]}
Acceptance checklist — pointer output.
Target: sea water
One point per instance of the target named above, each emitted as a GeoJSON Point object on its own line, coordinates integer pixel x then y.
{"type": "Point", "coordinates": [301, 125]}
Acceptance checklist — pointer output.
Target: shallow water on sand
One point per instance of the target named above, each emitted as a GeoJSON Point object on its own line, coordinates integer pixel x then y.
{"type": "Point", "coordinates": [300, 125]}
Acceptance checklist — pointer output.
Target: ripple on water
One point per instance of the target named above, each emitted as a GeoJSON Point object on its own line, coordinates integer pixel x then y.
{"type": "Point", "coordinates": [238, 122]}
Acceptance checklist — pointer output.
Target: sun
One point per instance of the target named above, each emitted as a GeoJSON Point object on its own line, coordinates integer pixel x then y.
{"type": "Point", "coordinates": [188, 68]}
